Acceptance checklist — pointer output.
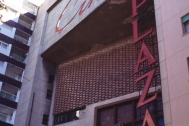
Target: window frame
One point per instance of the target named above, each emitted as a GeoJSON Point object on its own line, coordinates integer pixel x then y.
{"type": "Point", "coordinates": [67, 116]}
{"type": "Point", "coordinates": [51, 79]}
{"type": "Point", "coordinates": [49, 92]}
{"type": "Point", "coordinates": [45, 119]}
{"type": "Point", "coordinates": [133, 101]}
{"type": "Point", "coordinates": [185, 24]}
{"type": "Point", "coordinates": [187, 60]}
{"type": "Point", "coordinates": [3, 43]}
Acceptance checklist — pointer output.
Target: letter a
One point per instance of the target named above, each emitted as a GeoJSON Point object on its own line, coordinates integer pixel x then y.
{"type": "Point", "coordinates": [147, 56]}
{"type": "Point", "coordinates": [143, 100]}
{"type": "Point", "coordinates": [148, 119]}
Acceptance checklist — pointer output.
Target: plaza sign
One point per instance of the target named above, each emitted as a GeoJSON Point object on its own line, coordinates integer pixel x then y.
{"type": "Point", "coordinates": [143, 56]}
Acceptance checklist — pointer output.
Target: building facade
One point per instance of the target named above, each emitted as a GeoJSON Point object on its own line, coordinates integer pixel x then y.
{"type": "Point", "coordinates": [95, 63]}
{"type": "Point", "coordinates": [17, 24]}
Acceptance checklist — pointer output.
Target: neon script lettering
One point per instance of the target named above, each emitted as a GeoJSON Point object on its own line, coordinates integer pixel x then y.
{"type": "Point", "coordinates": [79, 12]}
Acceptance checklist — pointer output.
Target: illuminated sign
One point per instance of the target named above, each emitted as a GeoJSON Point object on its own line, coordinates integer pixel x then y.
{"type": "Point", "coordinates": [84, 5]}
{"type": "Point", "coordinates": [143, 56]}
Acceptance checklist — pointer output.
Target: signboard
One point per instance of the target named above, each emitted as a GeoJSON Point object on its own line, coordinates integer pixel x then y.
{"type": "Point", "coordinates": [144, 55]}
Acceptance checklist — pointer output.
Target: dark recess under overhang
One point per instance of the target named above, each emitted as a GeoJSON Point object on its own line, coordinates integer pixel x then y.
{"type": "Point", "coordinates": [108, 23]}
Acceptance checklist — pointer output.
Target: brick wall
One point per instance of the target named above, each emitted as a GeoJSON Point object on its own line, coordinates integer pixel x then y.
{"type": "Point", "coordinates": [102, 74]}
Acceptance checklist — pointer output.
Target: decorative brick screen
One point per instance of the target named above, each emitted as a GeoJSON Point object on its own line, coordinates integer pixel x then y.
{"type": "Point", "coordinates": [102, 75]}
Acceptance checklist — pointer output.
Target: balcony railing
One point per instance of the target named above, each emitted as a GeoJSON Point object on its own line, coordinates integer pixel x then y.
{"type": "Point", "coordinates": [20, 39]}
{"type": "Point", "coordinates": [7, 95]}
{"type": "Point", "coordinates": [25, 24]}
{"type": "Point", "coordinates": [13, 75]}
{"type": "Point", "coordinates": [17, 57]}
{"type": "Point", "coordinates": [3, 117]}
{"type": "Point", "coordinates": [8, 103]}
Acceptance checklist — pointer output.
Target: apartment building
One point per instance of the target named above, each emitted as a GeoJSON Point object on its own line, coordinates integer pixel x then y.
{"type": "Point", "coordinates": [16, 27]}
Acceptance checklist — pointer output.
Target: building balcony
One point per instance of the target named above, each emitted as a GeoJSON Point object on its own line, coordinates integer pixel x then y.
{"type": "Point", "coordinates": [3, 120]}
{"type": "Point", "coordinates": [30, 15]}
{"type": "Point", "coordinates": [19, 26]}
{"type": "Point", "coordinates": [9, 81]}
{"type": "Point", "coordinates": [14, 42]}
{"type": "Point", "coordinates": [5, 124]}
{"type": "Point", "coordinates": [7, 103]}
{"type": "Point", "coordinates": [13, 76]}
{"type": "Point", "coordinates": [28, 9]}
{"type": "Point", "coordinates": [17, 57]}
{"type": "Point", "coordinates": [7, 95]}
{"type": "Point", "coordinates": [20, 39]}
{"type": "Point", "coordinates": [12, 61]}
{"type": "Point", "coordinates": [14, 72]}
{"type": "Point", "coordinates": [18, 54]}
{"type": "Point", "coordinates": [25, 24]}
{"type": "Point", "coordinates": [7, 109]}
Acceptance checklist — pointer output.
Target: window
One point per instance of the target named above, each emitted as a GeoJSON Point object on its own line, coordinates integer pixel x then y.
{"type": "Point", "coordinates": [185, 22]}
{"type": "Point", "coordinates": [3, 45]}
{"type": "Point", "coordinates": [45, 119]}
{"type": "Point", "coordinates": [126, 113]}
{"type": "Point", "coordinates": [51, 79]}
{"type": "Point", "coordinates": [69, 116]}
{"type": "Point", "coordinates": [49, 94]}
{"type": "Point", "coordinates": [188, 62]}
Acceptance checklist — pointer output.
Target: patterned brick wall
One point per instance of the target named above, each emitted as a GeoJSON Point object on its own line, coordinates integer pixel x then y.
{"type": "Point", "coordinates": [102, 75]}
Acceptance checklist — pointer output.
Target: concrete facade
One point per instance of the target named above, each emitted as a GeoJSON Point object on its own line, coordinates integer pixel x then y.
{"type": "Point", "coordinates": [37, 73]}
{"type": "Point", "coordinates": [173, 54]}
{"type": "Point", "coordinates": [51, 37]}
{"type": "Point", "coordinates": [173, 50]}
{"type": "Point", "coordinates": [14, 47]}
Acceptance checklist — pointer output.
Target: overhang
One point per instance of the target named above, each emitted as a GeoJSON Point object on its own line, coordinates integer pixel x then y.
{"type": "Point", "coordinates": [108, 23]}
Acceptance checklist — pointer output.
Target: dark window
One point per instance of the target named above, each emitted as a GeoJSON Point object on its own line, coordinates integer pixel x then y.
{"type": "Point", "coordinates": [45, 119]}
{"type": "Point", "coordinates": [51, 79]}
{"type": "Point", "coordinates": [126, 114]}
{"type": "Point", "coordinates": [49, 94]}
{"type": "Point", "coordinates": [68, 116]}
{"type": "Point", "coordinates": [185, 22]}
{"type": "Point", "coordinates": [161, 122]}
